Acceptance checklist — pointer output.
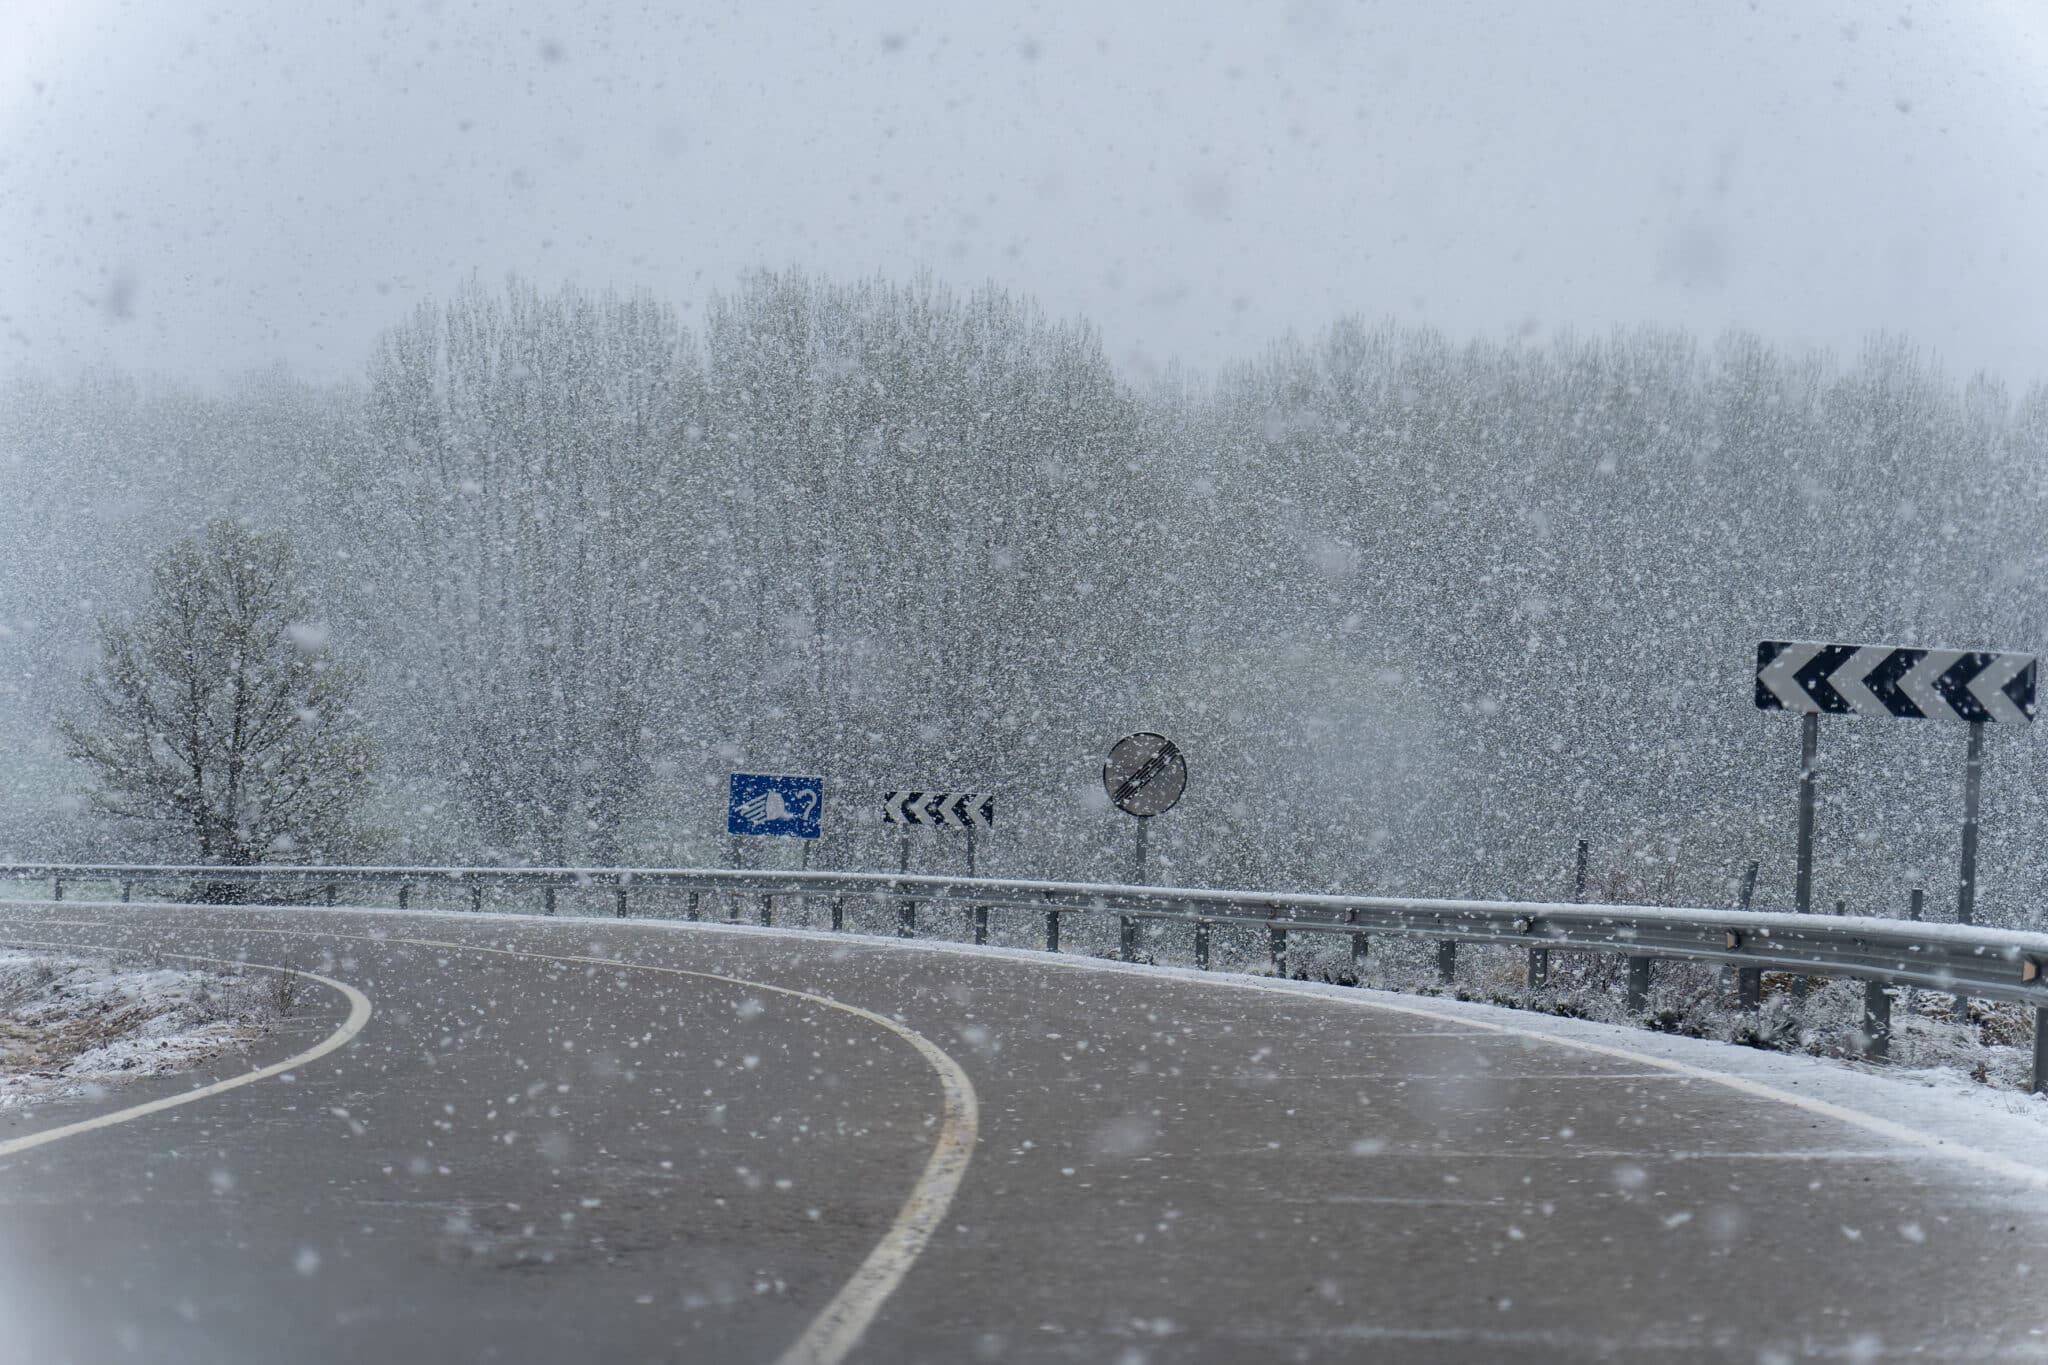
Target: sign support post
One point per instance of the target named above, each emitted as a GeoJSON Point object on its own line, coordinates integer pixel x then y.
{"type": "Point", "coordinates": [1973, 784]}
{"type": "Point", "coordinates": [1809, 762]}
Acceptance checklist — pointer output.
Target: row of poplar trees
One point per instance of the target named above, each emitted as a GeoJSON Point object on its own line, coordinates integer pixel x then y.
{"type": "Point", "coordinates": [1423, 614]}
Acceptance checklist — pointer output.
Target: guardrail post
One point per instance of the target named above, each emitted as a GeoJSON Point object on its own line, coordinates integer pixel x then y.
{"type": "Point", "coordinates": [1052, 931]}
{"type": "Point", "coordinates": [56, 888]}
{"type": "Point", "coordinates": [1361, 945]}
{"type": "Point", "coordinates": [2040, 1086]}
{"type": "Point", "coordinates": [1276, 948]}
{"type": "Point", "coordinates": [548, 901]}
{"type": "Point", "coordinates": [1126, 938]}
{"type": "Point", "coordinates": [476, 895]}
{"type": "Point", "coordinates": [1639, 983]}
{"type": "Point", "coordinates": [980, 915]}
{"type": "Point", "coordinates": [1749, 987]}
{"type": "Point", "coordinates": [404, 894]}
{"type": "Point", "coordinates": [906, 920]}
{"type": "Point", "coordinates": [1447, 961]}
{"type": "Point", "coordinates": [838, 914]}
{"type": "Point", "coordinates": [330, 893]}
{"type": "Point", "coordinates": [690, 905]}
{"type": "Point", "coordinates": [1877, 1021]}
{"type": "Point", "coordinates": [1202, 944]}
{"type": "Point", "coordinates": [619, 908]}
{"type": "Point", "coordinates": [767, 911]}
{"type": "Point", "coordinates": [1539, 968]}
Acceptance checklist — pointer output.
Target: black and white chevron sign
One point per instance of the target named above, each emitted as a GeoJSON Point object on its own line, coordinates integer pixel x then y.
{"type": "Point", "coordinates": [941, 810]}
{"type": "Point", "coordinates": [1887, 680]}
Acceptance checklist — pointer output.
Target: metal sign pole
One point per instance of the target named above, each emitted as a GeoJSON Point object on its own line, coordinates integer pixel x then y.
{"type": "Point", "coordinates": [1973, 783]}
{"type": "Point", "coordinates": [1809, 758]}
{"type": "Point", "coordinates": [1138, 863]}
{"type": "Point", "coordinates": [970, 850]}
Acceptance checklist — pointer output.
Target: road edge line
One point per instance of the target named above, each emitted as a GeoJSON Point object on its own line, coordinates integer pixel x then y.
{"type": "Point", "coordinates": [359, 1012]}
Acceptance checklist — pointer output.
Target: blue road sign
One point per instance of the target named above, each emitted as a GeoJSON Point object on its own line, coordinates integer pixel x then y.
{"type": "Point", "coordinates": [780, 807]}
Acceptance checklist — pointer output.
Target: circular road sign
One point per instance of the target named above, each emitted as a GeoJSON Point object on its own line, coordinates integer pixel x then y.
{"type": "Point", "coordinates": [1145, 775]}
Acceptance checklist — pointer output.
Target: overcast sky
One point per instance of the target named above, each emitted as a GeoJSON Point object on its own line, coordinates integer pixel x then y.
{"type": "Point", "coordinates": [206, 188]}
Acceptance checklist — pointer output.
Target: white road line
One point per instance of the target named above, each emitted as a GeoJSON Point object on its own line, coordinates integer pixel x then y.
{"type": "Point", "coordinates": [837, 1329]}
{"type": "Point", "coordinates": [358, 1015]}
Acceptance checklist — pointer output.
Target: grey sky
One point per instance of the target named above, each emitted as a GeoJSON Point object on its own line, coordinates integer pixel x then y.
{"type": "Point", "coordinates": [206, 189]}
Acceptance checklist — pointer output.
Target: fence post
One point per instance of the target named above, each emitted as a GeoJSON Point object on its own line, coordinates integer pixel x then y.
{"type": "Point", "coordinates": [1447, 961]}
{"type": "Point", "coordinates": [1052, 931]}
{"type": "Point", "coordinates": [1639, 983]}
{"type": "Point", "coordinates": [1202, 944]}
{"type": "Point", "coordinates": [980, 915]}
{"type": "Point", "coordinates": [1877, 1021]}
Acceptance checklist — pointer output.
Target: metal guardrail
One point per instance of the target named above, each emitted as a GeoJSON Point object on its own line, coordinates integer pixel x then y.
{"type": "Point", "coordinates": [2009, 966]}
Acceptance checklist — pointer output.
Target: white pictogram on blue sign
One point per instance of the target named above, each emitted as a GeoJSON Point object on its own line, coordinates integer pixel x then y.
{"type": "Point", "coordinates": [783, 807]}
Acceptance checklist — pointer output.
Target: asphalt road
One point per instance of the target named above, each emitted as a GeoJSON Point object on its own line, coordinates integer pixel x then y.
{"type": "Point", "coordinates": [527, 1155]}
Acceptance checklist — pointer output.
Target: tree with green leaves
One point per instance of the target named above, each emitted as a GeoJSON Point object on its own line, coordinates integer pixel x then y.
{"type": "Point", "coordinates": [219, 715]}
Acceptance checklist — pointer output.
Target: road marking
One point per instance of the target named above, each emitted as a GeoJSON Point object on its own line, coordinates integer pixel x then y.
{"type": "Point", "coordinates": [839, 1326]}
{"type": "Point", "coordinates": [358, 1015]}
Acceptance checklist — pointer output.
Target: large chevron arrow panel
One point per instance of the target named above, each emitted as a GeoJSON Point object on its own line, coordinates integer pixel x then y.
{"type": "Point", "coordinates": [1891, 680]}
{"type": "Point", "coordinates": [940, 810]}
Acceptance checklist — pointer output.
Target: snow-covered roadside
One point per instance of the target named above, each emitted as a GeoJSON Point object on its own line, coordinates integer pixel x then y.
{"type": "Point", "coordinates": [72, 1023]}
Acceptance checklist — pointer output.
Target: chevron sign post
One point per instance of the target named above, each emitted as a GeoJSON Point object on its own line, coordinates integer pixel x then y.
{"type": "Point", "coordinates": [1895, 682]}
{"type": "Point", "coordinates": [969, 811]}
{"type": "Point", "coordinates": [1887, 680]}
{"type": "Point", "coordinates": [940, 810]}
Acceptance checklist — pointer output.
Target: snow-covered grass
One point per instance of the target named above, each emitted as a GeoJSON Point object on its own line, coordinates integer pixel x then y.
{"type": "Point", "coordinates": [1993, 1047]}
{"type": "Point", "coordinates": [72, 1023]}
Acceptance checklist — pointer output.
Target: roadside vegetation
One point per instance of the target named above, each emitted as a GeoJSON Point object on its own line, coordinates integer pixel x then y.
{"type": "Point", "coordinates": [72, 1023]}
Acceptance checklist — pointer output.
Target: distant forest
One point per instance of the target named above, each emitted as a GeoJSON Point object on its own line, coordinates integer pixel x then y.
{"type": "Point", "coordinates": [1421, 613]}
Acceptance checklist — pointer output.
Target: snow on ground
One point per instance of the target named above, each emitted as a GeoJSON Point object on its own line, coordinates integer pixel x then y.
{"type": "Point", "coordinates": [72, 1023]}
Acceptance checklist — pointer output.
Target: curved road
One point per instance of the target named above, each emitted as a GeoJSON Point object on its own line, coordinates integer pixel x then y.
{"type": "Point", "coordinates": [592, 1140]}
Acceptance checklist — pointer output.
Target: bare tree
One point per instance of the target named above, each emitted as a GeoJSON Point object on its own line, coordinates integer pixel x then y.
{"type": "Point", "coordinates": [218, 713]}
